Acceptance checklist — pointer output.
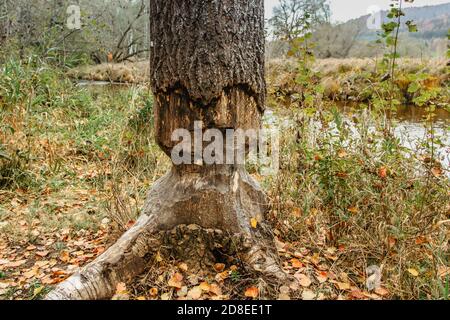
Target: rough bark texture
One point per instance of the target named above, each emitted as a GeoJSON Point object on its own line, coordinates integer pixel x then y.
{"type": "Point", "coordinates": [207, 64]}
{"type": "Point", "coordinates": [206, 46]}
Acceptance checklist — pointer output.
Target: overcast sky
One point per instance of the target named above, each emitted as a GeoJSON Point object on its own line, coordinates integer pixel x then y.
{"type": "Point", "coordinates": [343, 10]}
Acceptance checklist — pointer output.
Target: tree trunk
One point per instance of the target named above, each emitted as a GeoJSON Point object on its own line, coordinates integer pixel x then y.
{"type": "Point", "coordinates": [207, 64]}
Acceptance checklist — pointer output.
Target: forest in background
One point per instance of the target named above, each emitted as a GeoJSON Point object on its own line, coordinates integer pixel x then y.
{"type": "Point", "coordinates": [117, 31]}
{"type": "Point", "coordinates": [353, 39]}
{"type": "Point", "coordinates": [112, 30]}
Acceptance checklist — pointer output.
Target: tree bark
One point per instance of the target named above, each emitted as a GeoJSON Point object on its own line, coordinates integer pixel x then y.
{"type": "Point", "coordinates": [207, 64]}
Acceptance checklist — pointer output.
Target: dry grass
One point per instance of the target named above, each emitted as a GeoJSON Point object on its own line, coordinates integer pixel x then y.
{"type": "Point", "coordinates": [329, 67]}
{"type": "Point", "coordinates": [359, 79]}
{"type": "Point", "coordinates": [76, 165]}
{"type": "Point", "coordinates": [342, 79]}
{"type": "Point", "coordinates": [356, 192]}
{"type": "Point", "coordinates": [137, 72]}
{"type": "Point", "coordinates": [75, 168]}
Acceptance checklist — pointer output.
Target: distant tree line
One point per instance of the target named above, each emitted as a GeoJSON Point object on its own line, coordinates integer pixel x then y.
{"type": "Point", "coordinates": [353, 38]}
{"type": "Point", "coordinates": [110, 30]}
{"type": "Point", "coordinates": [118, 30]}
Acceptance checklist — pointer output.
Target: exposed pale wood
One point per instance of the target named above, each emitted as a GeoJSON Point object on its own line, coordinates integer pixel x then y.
{"type": "Point", "coordinates": [207, 64]}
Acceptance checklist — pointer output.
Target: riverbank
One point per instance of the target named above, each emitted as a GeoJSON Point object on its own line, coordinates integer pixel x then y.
{"type": "Point", "coordinates": [76, 163]}
{"type": "Point", "coordinates": [363, 80]}
{"type": "Point", "coordinates": [127, 72]}
{"type": "Point", "coordinates": [353, 80]}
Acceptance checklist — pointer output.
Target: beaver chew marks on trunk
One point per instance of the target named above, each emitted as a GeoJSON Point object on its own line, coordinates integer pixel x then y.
{"type": "Point", "coordinates": [207, 64]}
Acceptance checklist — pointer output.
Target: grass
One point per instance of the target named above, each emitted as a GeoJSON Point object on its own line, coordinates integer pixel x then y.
{"type": "Point", "coordinates": [64, 147]}
{"type": "Point", "coordinates": [347, 186]}
{"type": "Point", "coordinates": [342, 79]}
{"type": "Point", "coordinates": [136, 72]}
{"type": "Point", "coordinates": [74, 160]}
{"type": "Point", "coordinates": [361, 80]}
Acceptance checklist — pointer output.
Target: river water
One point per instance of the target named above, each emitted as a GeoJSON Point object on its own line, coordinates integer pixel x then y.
{"type": "Point", "coordinates": [410, 127]}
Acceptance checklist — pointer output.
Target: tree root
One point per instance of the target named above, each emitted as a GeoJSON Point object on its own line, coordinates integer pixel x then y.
{"type": "Point", "coordinates": [120, 263]}
{"type": "Point", "coordinates": [198, 215]}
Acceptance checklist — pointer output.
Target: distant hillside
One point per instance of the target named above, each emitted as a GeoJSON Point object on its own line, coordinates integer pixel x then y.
{"type": "Point", "coordinates": [354, 39]}
{"type": "Point", "coordinates": [432, 22]}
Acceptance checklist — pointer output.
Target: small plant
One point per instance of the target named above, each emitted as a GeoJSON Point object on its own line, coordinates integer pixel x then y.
{"type": "Point", "coordinates": [390, 37]}
{"type": "Point", "coordinates": [301, 48]}
{"type": "Point", "coordinates": [345, 185]}
{"type": "Point", "coordinates": [445, 288]}
{"type": "Point", "coordinates": [37, 291]}
{"type": "Point", "coordinates": [235, 276]}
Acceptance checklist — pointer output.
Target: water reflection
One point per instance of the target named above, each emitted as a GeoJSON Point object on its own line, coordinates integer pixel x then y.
{"type": "Point", "coordinates": [406, 113]}
{"type": "Point", "coordinates": [410, 127]}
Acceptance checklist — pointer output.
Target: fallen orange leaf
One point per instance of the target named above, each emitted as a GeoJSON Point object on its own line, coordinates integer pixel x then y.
{"type": "Point", "coordinates": [176, 281]}
{"type": "Point", "coordinates": [413, 272]}
{"type": "Point", "coordinates": [342, 153]}
{"type": "Point", "coordinates": [297, 212]}
{"type": "Point", "coordinates": [222, 276]}
{"type": "Point", "coordinates": [322, 276]}
{"type": "Point", "coordinates": [252, 292]}
{"type": "Point", "coordinates": [121, 288]}
{"type": "Point", "coordinates": [343, 285]}
{"type": "Point", "coordinates": [357, 294]}
{"type": "Point", "coordinates": [183, 266]}
{"type": "Point", "coordinates": [303, 280]}
{"type": "Point", "coordinates": [153, 292]}
{"type": "Point", "coordinates": [421, 240]}
{"type": "Point", "coordinates": [382, 172]}
{"type": "Point", "coordinates": [296, 263]}
{"type": "Point", "coordinates": [195, 293]}
{"type": "Point", "coordinates": [353, 210]}
{"type": "Point", "coordinates": [42, 253]}
{"type": "Point", "coordinates": [205, 286]}
{"type": "Point", "coordinates": [130, 224]}
{"type": "Point", "coordinates": [16, 264]}
{"type": "Point", "coordinates": [219, 267]}
{"type": "Point", "coordinates": [254, 223]}
{"type": "Point", "coordinates": [381, 291]}
{"type": "Point", "coordinates": [436, 171]}
{"type": "Point", "coordinates": [214, 288]}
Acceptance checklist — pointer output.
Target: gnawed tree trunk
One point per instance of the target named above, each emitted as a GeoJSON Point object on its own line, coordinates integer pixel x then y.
{"type": "Point", "coordinates": [207, 63]}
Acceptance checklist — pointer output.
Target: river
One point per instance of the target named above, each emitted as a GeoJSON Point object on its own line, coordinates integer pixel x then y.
{"type": "Point", "coordinates": [410, 127]}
